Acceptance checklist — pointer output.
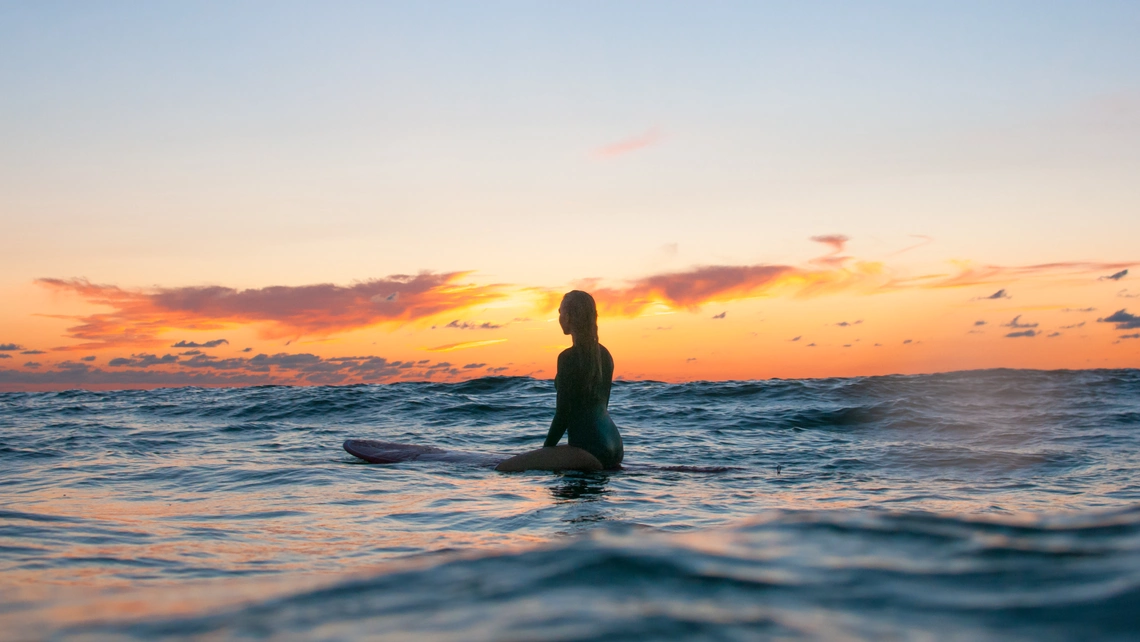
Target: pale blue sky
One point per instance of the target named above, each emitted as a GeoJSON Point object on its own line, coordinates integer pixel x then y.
{"type": "Point", "coordinates": [210, 142]}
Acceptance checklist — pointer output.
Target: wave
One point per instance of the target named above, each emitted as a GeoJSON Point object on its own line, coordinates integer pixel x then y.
{"type": "Point", "coordinates": [783, 575]}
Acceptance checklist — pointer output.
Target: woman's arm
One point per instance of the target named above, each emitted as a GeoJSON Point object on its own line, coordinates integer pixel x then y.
{"type": "Point", "coordinates": [558, 424]}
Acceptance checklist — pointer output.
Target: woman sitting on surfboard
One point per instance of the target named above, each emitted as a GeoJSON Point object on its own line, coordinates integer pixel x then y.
{"type": "Point", "coordinates": [585, 374]}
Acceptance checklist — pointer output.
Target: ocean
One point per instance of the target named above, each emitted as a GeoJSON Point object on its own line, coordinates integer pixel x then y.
{"type": "Point", "coordinates": [995, 504]}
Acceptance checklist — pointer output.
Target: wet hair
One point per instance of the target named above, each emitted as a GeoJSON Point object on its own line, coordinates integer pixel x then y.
{"type": "Point", "coordinates": [582, 317]}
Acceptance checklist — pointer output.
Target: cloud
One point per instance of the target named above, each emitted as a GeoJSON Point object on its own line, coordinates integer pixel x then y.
{"type": "Point", "coordinates": [1079, 310]}
{"type": "Point", "coordinates": [836, 241]}
{"type": "Point", "coordinates": [690, 289]}
{"type": "Point", "coordinates": [69, 375]}
{"type": "Point", "coordinates": [796, 339]}
{"type": "Point", "coordinates": [471, 366]}
{"type": "Point", "coordinates": [1124, 293]}
{"type": "Point", "coordinates": [844, 324]}
{"type": "Point", "coordinates": [1016, 323]}
{"type": "Point", "coordinates": [464, 345]}
{"type": "Point", "coordinates": [32, 364]}
{"type": "Point", "coordinates": [1114, 277]}
{"type": "Point", "coordinates": [90, 358]}
{"type": "Point", "coordinates": [247, 350]}
{"type": "Point", "coordinates": [1000, 294]}
{"type": "Point", "coordinates": [5, 356]}
{"type": "Point", "coordinates": [810, 345]}
{"type": "Point", "coordinates": [1055, 334]}
{"type": "Point", "coordinates": [142, 361]}
{"type": "Point", "coordinates": [646, 139]}
{"type": "Point", "coordinates": [486, 325]}
{"type": "Point", "coordinates": [138, 316]}
{"type": "Point", "coordinates": [832, 274]}
{"type": "Point", "coordinates": [720, 316]}
{"type": "Point", "coordinates": [908, 341]}
{"type": "Point", "coordinates": [209, 344]}
{"type": "Point", "coordinates": [10, 347]}
{"type": "Point", "coordinates": [926, 240]}
{"type": "Point", "coordinates": [979, 323]}
{"type": "Point", "coordinates": [33, 352]}
{"type": "Point", "coordinates": [1123, 320]}
{"type": "Point", "coordinates": [204, 369]}
{"type": "Point", "coordinates": [1022, 333]}
{"type": "Point", "coordinates": [970, 275]}
{"type": "Point", "coordinates": [1130, 336]}
{"type": "Point", "coordinates": [1073, 326]}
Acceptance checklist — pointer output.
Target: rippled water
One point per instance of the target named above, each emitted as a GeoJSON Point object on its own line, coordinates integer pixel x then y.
{"type": "Point", "coordinates": [990, 504]}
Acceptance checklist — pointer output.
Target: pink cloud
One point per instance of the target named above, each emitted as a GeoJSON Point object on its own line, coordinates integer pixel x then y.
{"type": "Point", "coordinates": [641, 141]}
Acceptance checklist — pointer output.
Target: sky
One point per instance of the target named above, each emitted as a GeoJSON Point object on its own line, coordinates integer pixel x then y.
{"type": "Point", "coordinates": [240, 193]}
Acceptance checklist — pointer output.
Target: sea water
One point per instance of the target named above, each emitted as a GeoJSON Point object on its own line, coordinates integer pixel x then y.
{"type": "Point", "coordinates": [997, 504]}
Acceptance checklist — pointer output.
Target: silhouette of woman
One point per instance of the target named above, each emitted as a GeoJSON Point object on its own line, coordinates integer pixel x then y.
{"type": "Point", "coordinates": [585, 374]}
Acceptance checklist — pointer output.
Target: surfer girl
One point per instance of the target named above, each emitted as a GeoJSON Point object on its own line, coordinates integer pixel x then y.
{"type": "Point", "coordinates": [585, 374]}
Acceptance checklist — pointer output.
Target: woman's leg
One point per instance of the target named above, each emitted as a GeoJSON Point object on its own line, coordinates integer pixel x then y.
{"type": "Point", "coordinates": [556, 458]}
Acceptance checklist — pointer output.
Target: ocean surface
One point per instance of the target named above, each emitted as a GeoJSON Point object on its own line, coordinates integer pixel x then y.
{"type": "Point", "coordinates": [997, 504]}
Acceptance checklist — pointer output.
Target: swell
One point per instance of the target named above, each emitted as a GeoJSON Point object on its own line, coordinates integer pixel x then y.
{"type": "Point", "coordinates": [796, 574]}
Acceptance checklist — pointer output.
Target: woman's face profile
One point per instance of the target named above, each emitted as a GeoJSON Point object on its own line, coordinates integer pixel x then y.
{"type": "Point", "coordinates": [564, 318]}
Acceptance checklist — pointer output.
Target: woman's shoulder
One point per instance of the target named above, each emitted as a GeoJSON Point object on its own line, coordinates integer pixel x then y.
{"type": "Point", "coordinates": [605, 353]}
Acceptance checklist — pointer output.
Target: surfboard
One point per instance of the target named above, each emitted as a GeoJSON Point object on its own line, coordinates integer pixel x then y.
{"type": "Point", "coordinates": [386, 452]}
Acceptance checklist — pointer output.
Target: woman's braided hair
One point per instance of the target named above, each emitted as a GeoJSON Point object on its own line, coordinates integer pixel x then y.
{"type": "Point", "coordinates": [582, 315]}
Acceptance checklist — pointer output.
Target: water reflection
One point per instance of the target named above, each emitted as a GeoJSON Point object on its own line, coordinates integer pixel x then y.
{"type": "Point", "coordinates": [587, 487]}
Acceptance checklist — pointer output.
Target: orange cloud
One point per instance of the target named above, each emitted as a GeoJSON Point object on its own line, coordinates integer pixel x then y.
{"type": "Point", "coordinates": [651, 137]}
{"type": "Point", "coordinates": [464, 345]}
{"type": "Point", "coordinates": [138, 316]}
{"type": "Point", "coordinates": [830, 274]}
{"type": "Point", "coordinates": [969, 274]}
{"type": "Point", "coordinates": [720, 283]}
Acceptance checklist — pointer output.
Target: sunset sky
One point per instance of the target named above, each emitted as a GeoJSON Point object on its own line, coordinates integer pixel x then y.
{"type": "Point", "coordinates": [238, 193]}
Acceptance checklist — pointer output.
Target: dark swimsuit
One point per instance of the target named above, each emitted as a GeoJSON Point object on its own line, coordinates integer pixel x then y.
{"type": "Point", "coordinates": [583, 415]}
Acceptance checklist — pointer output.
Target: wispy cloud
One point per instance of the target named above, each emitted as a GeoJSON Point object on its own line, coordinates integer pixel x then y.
{"type": "Point", "coordinates": [926, 240]}
{"type": "Point", "coordinates": [138, 316]}
{"type": "Point", "coordinates": [1000, 294]}
{"type": "Point", "coordinates": [1115, 277]}
{"type": "Point", "coordinates": [837, 242]}
{"type": "Point", "coordinates": [10, 347]}
{"type": "Point", "coordinates": [208, 344]}
{"type": "Point", "coordinates": [465, 325]}
{"type": "Point", "coordinates": [720, 316]}
{"type": "Point", "coordinates": [645, 139]}
{"type": "Point", "coordinates": [287, 368]}
{"type": "Point", "coordinates": [450, 347]}
{"type": "Point", "coordinates": [1016, 323]}
{"type": "Point", "coordinates": [970, 274]}
{"type": "Point", "coordinates": [844, 324]}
